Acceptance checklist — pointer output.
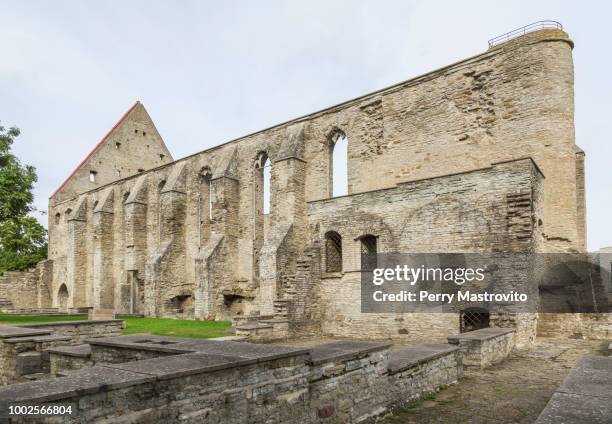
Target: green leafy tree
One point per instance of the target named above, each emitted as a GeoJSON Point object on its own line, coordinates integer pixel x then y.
{"type": "Point", "coordinates": [23, 241]}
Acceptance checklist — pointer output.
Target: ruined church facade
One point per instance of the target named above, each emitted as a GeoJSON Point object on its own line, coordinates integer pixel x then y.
{"type": "Point", "coordinates": [479, 156]}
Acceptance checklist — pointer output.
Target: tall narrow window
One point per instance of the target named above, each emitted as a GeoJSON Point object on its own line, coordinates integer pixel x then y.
{"type": "Point", "coordinates": [338, 158]}
{"type": "Point", "coordinates": [205, 203]}
{"type": "Point", "coordinates": [92, 176]}
{"type": "Point", "coordinates": [261, 205]}
{"type": "Point", "coordinates": [264, 167]}
{"type": "Point", "coordinates": [267, 177]}
{"type": "Point", "coordinates": [333, 252]}
{"type": "Point", "coordinates": [206, 191]}
{"type": "Point", "coordinates": [369, 251]}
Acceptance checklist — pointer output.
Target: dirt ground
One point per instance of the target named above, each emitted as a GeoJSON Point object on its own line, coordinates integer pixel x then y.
{"type": "Point", "coordinates": [514, 391]}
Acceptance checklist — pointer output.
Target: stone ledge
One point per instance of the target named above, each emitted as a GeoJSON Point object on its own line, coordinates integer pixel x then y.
{"type": "Point", "coordinates": [575, 409]}
{"type": "Point", "coordinates": [174, 345]}
{"type": "Point", "coordinates": [592, 376]}
{"type": "Point", "coordinates": [409, 357]}
{"type": "Point", "coordinates": [78, 351]}
{"type": "Point", "coordinates": [585, 396]}
{"type": "Point", "coordinates": [343, 350]}
{"type": "Point", "coordinates": [82, 382]}
{"type": "Point", "coordinates": [480, 335]}
{"type": "Point", "coordinates": [82, 322]}
{"type": "Point", "coordinates": [7, 332]}
{"type": "Point", "coordinates": [181, 365]}
{"type": "Point", "coordinates": [38, 339]}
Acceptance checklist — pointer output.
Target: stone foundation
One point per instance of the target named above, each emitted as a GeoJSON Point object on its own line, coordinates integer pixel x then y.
{"type": "Point", "coordinates": [233, 382]}
{"type": "Point", "coordinates": [25, 349]}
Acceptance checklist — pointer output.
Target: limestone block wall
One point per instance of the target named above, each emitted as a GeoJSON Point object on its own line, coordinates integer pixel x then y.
{"type": "Point", "coordinates": [594, 326]}
{"type": "Point", "coordinates": [485, 347]}
{"type": "Point", "coordinates": [131, 146]}
{"type": "Point", "coordinates": [470, 212]}
{"type": "Point", "coordinates": [513, 101]}
{"type": "Point", "coordinates": [343, 382]}
{"type": "Point", "coordinates": [27, 289]}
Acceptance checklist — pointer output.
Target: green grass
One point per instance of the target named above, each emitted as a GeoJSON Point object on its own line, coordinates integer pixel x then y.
{"type": "Point", "coordinates": [33, 319]}
{"type": "Point", "coordinates": [159, 326]}
{"type": "Point", "coordinates": [177, 328]}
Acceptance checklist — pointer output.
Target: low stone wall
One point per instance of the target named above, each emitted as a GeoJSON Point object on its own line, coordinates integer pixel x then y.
{"type": "Point", "coordinates": [236, 382]}
{"type": "Point", "coordinates": [79, 331]}
{"type": "Point", "coordinates": [585, 396]}
{"type": "Point", "coordinates": [587, 326]}
{"type": "Point", "coordinates": [68, 358]}
{"type": "Point", "coordinates": [24, 349]}
{"type": "Point", "coordinates": [485, 347]}
{"type": "Point", "coordinates": [420, 370]}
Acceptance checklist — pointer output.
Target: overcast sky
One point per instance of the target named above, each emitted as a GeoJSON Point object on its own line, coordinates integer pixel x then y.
{"type": "Point", "coordinates": [208, 72]}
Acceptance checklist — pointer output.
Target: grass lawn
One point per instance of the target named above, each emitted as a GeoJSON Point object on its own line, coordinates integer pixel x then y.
{"type": "Point", "coordinates": [33, 319]}
{"type": "Point", "coordinates": [177, 328]}
{"type": "Point", "coordinates": [159, 326]}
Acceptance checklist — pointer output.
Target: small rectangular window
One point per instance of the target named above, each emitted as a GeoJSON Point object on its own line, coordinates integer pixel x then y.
{"type": "Point", "coordinates": [92, 176]}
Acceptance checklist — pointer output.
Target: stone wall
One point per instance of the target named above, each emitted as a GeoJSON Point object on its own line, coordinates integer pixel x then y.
{"type": "Point", "coordinates": [28, 289]}
{"type": "Point", "coordinates": [189, 239]}
{"type": "Point", "coordinates": [338, 382]}
{"type": "Point", "coordinates": [589, 326]}
{"type": "Point", "coordinates": [24, 348]}
{"type": "Point", "coordinates": [485, 347]}
{"type": "Point", "coordinates": [445, 214]}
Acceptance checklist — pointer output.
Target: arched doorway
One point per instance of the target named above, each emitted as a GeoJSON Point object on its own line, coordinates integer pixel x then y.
{"type": "Point", "coordinates": [62, 298]}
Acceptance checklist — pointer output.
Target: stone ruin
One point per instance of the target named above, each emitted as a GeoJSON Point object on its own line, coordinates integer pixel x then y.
{"type": "Point", "coordinates": [145, 378]}
{"type": "Point", "coordinates": [478, 156]}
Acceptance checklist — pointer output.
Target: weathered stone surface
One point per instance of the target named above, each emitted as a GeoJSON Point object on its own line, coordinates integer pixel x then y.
{"type": "Point", "coordinates": [576, 409]}
{"type": "Point", "coordinates": [83, 382]}
{"type": "Point", "coordinates": [343, 350]}
{"type": "Point", "coordinates": [485, 347]}
{"type": "Point", "coordinates": [182, 365]}
{"type": "Point", "coordinates": [479, 156]}
{"type": "Point", "coordinates": [7, 332]}
{"type": "Point", "coordinates": [480, 335]}
{"type": "Point", "coordinates": [408, 357]}
{"type": "Point", "coordinates": [592, 376]}
{"type": "Point", "coordinates": [83, 350]}
{"type": "Point", "coordinates": [585, 396]}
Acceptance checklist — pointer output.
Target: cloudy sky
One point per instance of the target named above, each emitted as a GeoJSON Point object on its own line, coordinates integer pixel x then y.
{"type": "Point", "coordinates": [208, 72]}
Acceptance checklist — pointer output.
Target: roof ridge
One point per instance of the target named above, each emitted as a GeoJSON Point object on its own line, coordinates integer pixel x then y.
{"type": "Point", "coordinates": [100, 143]}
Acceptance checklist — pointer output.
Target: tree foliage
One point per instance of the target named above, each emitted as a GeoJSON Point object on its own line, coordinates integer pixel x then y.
{"type": "Point", "coordinates": [23, 241]}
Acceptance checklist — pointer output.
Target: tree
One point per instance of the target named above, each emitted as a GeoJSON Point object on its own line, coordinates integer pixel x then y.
{"type": "Point", "coordinates": [23, 241]}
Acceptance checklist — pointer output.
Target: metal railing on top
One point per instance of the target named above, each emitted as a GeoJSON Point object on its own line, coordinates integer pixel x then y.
{"type": "Point", "coordinates": [524, 30]}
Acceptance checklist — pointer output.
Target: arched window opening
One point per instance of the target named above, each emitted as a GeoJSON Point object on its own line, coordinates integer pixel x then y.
{"type": "Point", "coordinates": [472, 319]}
{"type": "Point", "coordinates": [264, 166]}
{"type": "Point", "coordinates": [58, 217]}
{"type": "Point", "coordinates": [338, 164]}
{"type": "Point", "coordinates": [369, 252]}
{"type": "Point", "coordinates": [333, 252]}
{"type": "Point", "coordinates": [206, 191]}
{"type": "Point", "coordinates": [62, 298]}
{"type": "Point", "coordinates": [161, 185]}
